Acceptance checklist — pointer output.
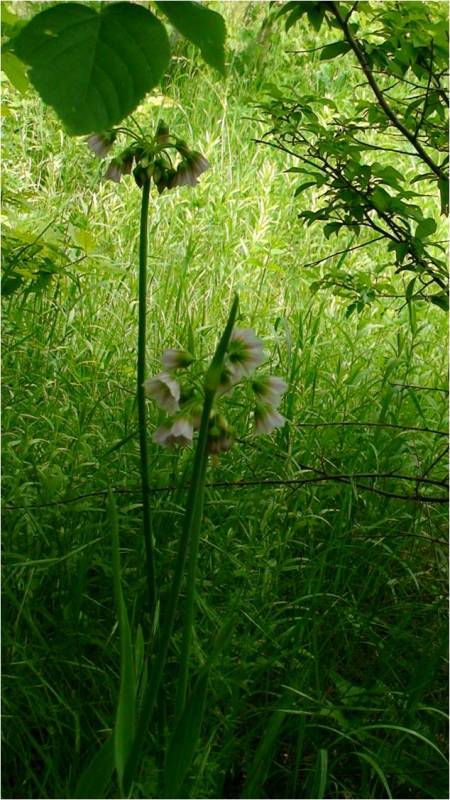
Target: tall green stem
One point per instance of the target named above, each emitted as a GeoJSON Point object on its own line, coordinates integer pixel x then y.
{"type": "Point", "coordinates": [146, 512]}
{"type": "Point", "coordinates": [191, 524]}
{"type": "Point", "coordinates": [188, 622]}
{"type": "Point", "coordinates": [159, 662]}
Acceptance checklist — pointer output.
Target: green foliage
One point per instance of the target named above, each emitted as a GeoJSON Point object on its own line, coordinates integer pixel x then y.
{"type": "Point", "coordinates": [345, 152]}
{"type": "Point", "coordinates": [94, 68]}
{"type": "Point", "coordinates": [338, 583]}
{"type": "Point", "coordinates": [30, 260]}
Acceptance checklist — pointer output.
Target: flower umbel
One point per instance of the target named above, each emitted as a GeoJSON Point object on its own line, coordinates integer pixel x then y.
{"type": "Point", "coordinates": [245, 353]}
{"type": "Point", "coordinates": [164, 390]}
{"type": "Point", "coordinates": [267, 419]}
{"type": "Point", "coordinates": [180, 433]}
{"type": "Point", "coordinates": [187, 401]}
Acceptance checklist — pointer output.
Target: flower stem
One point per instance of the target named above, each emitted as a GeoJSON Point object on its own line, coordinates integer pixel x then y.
{"type": "Point", "coordinates": [190, 532]}
{"type": "Point", "coordinates": [146, 512]}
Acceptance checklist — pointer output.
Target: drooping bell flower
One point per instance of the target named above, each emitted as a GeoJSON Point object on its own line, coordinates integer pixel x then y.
{"type": "Point", "coordinates": [245, 353]}
{"type": "Point", "coordinates": [101, 143]}
{"type": "Point", "coordinates": [162, 134]}
{"type": "Point", "coordinates": [180, 433]}
{"type": "Point", "coordinates": [176, 359]}
{"type": "Point", "coordinates": [267, 419]}
{"type": "Point", "coordinates": [189, 169]}
{"type": "Point", "coordinates": [164, 390]}
{"type": "Point", "coordinates": [121, 165]}
{"type": "Point", "coordinates": [269, 389]}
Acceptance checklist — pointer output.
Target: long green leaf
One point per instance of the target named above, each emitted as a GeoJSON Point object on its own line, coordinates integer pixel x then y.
{"type": "Point", "coordinates": [93, 68]}
{"type": "Point", "coordinates": [263, 756]}
{"type": "Point", "coordinates": [203, 27]}
{"type": "Point", "coordinates": [126, 705]}
{"type": "Point", "coordinates": [320, 774]}
{"type": "Point", "coordinates": [184, 740]}
{"type": "Point", "coordinates": [378, 771]}
{"type": "Point", "coordinates": [94, 780]}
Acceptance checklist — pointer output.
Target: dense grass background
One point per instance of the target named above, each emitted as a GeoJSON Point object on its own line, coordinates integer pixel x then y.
{"type": "Point", "coordinates": [333, 683]}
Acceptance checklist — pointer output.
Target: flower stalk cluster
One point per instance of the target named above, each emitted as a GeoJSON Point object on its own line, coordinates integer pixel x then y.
{"type": "Point", "coordinates": [151, 158]}
{"type": "Point", "coordinates": [182, 398]}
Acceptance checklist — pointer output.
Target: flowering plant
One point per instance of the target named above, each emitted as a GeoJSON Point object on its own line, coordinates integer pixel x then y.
{"type": "Point", "coordinates": [162, 160]}
{"type": "Point", "coordinates": [152, 158]}
{"type": "Point", "coordinates": [182, 398]}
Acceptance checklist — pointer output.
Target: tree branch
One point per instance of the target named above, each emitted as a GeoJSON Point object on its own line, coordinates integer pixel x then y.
{"type": "Point", "coordinates": [361, 56]}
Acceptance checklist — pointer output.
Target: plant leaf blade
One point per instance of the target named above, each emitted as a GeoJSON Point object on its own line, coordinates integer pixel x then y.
{"type": "Point", "coordinates": [93, 68]}
{"type": "Point", "coordinates": [203, 27]}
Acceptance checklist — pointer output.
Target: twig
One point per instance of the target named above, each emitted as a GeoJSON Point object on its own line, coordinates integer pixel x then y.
{"type": "Point", "coordinates": [340, 252]}
{"type": "Point", "coordinates": [427, 93]}
{"type": "Point", "coordinates": [244, 484]}
{"type": "Point", "coordinates": [423, 388]}
{"type": "Point", "coordinates": [372, 425]}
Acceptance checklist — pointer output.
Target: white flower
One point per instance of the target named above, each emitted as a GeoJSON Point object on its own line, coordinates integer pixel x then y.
{"type": "Point", "coordinates": [176, 359]}
{"type": "Point", "coordinates": [269, 389]}
{"type": "Point", "coordinates": [164, 390]}
{"type": "Point", "coordinates": [245, 352]}
{"type": "Point", "coordinates": [101, 143]}
{"type": "Point", "coordinates": [267, 419]}
{"type": "Point", "coordinates": [180, 433]}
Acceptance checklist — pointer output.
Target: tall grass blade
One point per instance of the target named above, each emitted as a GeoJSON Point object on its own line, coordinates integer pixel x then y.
{"type": "Point", "coordinates": [187, 731]}
{"type": "Point", "coordinates": [263, 757]}
{"type": "Point", "coordinates": [320, 775]}
{"type": "Point", "coordinates": [378, 771]}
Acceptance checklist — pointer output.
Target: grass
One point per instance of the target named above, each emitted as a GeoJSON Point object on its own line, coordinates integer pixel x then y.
{"type": "Point", "coordinates": [332, 682]}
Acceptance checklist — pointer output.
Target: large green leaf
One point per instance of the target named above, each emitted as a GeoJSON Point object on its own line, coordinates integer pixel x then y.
{"type": "Point", "coordinates": [203, 27]}
{"type": "Point", "coordinates": [93, 68]}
